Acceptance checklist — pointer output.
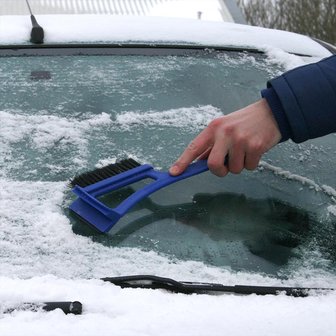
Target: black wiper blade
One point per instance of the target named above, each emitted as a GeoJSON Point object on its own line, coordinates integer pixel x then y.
{"type": "Point", "coordinates": [68, 307]}
{"type": "Point", "coordinates": [185, 287]}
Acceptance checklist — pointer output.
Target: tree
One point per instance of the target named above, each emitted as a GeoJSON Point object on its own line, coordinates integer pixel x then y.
{"type": "Point", "coordinates": [315, 18]}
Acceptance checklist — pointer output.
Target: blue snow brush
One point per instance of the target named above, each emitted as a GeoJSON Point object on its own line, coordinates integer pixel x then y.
{"type": "Point", "coordinates": [91, 185]}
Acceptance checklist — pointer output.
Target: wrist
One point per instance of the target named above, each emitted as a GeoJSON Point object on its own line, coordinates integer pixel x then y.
{"type": "Point", "coordinates": [273, 134]}
{"type": "Point", "coordinates": [270, 97]}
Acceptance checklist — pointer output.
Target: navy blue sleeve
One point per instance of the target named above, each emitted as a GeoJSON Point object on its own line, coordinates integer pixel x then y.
{"type": "Point", "coordinates": [303, 100]}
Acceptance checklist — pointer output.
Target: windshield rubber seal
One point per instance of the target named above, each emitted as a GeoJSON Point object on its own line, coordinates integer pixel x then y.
{"type": "Point", "coordinates": [116, 49]}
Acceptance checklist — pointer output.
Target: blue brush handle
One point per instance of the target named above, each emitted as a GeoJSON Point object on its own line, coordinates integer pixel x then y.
{"type": "Point", "coordinates": [99, 212]}
{"type": "Point", "coordinates": [162, 179]}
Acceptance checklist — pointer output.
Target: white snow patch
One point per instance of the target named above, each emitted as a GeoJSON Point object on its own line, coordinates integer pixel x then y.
{"type": "Point", "coordinates": [191, 117]}
{"type": "Point", "coordinates": [46, 130]}
{"type": "Point", "coordinates": [290, 176]}
{"type": "Point", "coordinates": [332, 209]}
{"type": "Point", "coordinates": [286, 60]}
{"type": "Point", "coordinates": [328, 190]}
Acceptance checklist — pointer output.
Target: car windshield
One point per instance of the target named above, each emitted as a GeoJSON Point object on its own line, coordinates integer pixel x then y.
{"type": "Point", "coordinates": [63, 115]}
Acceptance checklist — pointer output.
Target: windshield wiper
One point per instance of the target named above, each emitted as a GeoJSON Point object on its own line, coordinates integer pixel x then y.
{"type": "Point", "coordinates": [37, 32]}
{"type": "Point", "coordinates": [68, 307]}
{"type": "Point", "coordinates": [185, 287]}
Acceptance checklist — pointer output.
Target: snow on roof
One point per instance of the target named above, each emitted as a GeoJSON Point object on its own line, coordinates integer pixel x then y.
{"type": "Point", "coordinates": [132, 29]}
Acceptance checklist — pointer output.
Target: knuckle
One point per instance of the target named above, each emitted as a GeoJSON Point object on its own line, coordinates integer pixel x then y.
{"type": "Point", "coordinates": [239, 140]}
{"type": "Point", "coordinates": [228, 129]}
{"type": "Point", "coordinates": [192, 147]}
{"type": "Point", "coordinates": [256, 147]}
{"type": "Point", "coordinates": [215, 123]}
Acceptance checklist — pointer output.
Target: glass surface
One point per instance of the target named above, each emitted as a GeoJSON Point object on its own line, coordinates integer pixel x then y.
{"type": "Point", "coordinates": [61, 116]}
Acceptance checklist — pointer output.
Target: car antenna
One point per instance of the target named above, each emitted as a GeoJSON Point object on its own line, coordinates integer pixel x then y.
{"type": "Point", "coordinates": [37, 32]}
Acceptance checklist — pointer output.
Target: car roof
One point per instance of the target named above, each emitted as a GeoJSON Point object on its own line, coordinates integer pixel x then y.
{"type": "Point", "coordinates": [156, 31]}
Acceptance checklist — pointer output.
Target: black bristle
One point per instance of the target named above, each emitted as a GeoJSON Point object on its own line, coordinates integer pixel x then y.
{"type": "Point", "coordinates": [99, 174]}
{"type": "Point", "coordinates": [129, 164]}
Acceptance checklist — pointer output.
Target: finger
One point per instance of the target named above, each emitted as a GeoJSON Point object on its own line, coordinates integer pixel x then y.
{"type": "Point", "coordinates": [196, 148]}
{"type": "Point", "coordinates": [205, 155]}
{"type": "Point", "coordinates": [252, 161]}
{"type": "Point", "coordinates": [216, 158]}
{"type": "Point", "coordinates": [237, 159]}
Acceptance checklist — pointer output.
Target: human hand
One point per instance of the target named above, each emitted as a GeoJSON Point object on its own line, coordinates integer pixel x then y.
{"type": "Point", "coordinates": [244, 136]}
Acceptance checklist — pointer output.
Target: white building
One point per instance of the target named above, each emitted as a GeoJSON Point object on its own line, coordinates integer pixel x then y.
{"type": "Point", "coordinates": [213, 10]}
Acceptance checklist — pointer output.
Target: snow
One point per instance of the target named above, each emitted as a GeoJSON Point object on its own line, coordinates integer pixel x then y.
{"type": "Point", "coordinates": [328, 190]}
{"type": "Point", "coordinates": [184, 117]}
{"type": "Point", "coordinates": [42, 259]}
{"type": "Point", "coordinates": [109, 310]}
{"type": "Point", "coordinates": [45, 261]}
{"type": "Point", "coordinates": [290, 176]}
{"type": "Point", "coordinates": [286, 60]}
{"type": "Point", "coordinates": [47, 129]}
{"type": "Point", "coordinates": [104, 28]}
{"type": "Point", "coordinates": [332, 209]}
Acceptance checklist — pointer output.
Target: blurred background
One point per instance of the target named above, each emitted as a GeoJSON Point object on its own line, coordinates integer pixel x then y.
{"type": "Point", "coordinates": [315, 18]}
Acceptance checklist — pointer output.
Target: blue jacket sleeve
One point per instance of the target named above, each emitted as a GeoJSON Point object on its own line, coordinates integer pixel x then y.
{"type": "Point", "coordinates": [303, 100]}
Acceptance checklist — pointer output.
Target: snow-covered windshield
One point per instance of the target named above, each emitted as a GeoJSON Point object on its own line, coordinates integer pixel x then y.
{"type": "Point", "coordinates": [62, 115]}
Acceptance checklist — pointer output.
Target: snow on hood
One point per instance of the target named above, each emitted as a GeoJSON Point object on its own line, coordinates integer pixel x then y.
{"type": "Point", "coordinates": [116, 29]}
